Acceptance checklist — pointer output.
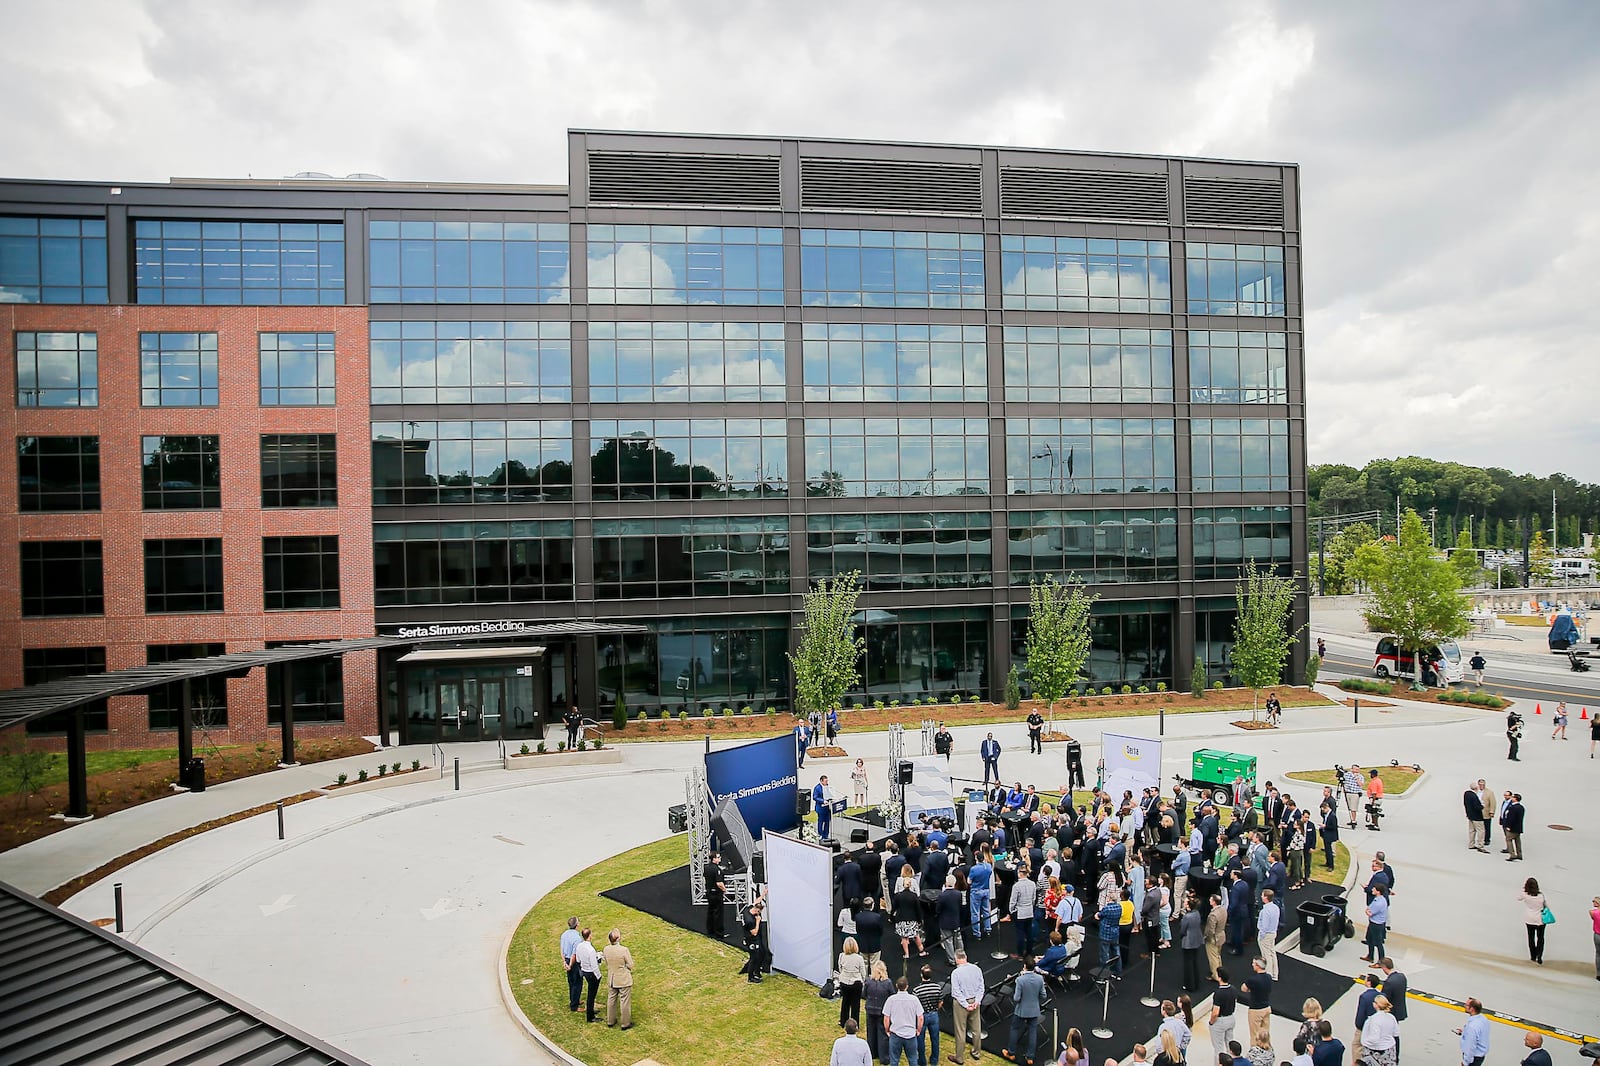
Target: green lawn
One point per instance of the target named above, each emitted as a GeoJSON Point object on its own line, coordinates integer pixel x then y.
{"type": "Point", "coordinates": [99, 762]}
{"type": "Point", "coordinates": [691, 1007]}
{"type": "Point", "coordinates": [1396, 779]}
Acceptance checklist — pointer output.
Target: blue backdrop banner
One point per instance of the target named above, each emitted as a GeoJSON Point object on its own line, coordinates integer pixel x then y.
{"type": "Point", "coordinates": [763, 780]}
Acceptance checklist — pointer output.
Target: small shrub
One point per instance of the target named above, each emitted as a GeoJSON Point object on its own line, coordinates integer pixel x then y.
{"type": "Point", "coordinates": [416, 764]}
{"type": "Point", "coordinates": [395, 767]}
{"type": "Point", "coordinates": [361, 775]}
{"type": "Point", "coordinates": [1161, 686]}
{"type": "Point", "coordinates": [561, 745]}
{"type": "Point", "coordinates": [619, 713]}
{"type": "Point", "coordinates": [524, 750]}
{"type": "Point", "coordinates": [975, 699]}
{"type": "Point", "coordinates": [1013, 695]}
{"type": "Point", "coordinates": [382, 770]}
{"type": "Point", "coordinates": [877, 705]}
{"type": "Point", "coordinates": [540, 748]}
{"type": "Point", "coordinates": [1313, 667]}
{"type": "Point", "coordinates": [1197, 680]}
{"type": "Point", "coordinates": [683, 719]}
{"type": "Point", "coordinates": [1106, 691]}
{"type": "Point", "coordinates": [599, 745]}
{"type": "Point", "coordinates": [747, 710]}
{"type": "Point", "coordinates": [1127, 690]}
{"type": "Point", "coordinates": [583, 745]}
{"type": "Point", "coordinates": [342, 778]}
{"type": "Point", "coordinates": [1144, 690]}
{"type": "Point", "coordinates": [1216, 686]}
{"type": "Point", "coordinates": [727, 712]}
{"type": "Point", "coordinates": [771, 713]}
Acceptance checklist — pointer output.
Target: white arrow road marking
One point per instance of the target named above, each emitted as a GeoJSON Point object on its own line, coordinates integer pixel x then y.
{"type": "Point", "coordinates": [1411, 962]}
{"type": "Point", "coordinates": [276, 907]}
{"type": "Point", "coordinates": [439, 910]}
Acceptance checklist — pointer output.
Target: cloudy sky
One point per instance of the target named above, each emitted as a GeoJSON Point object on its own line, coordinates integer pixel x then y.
{"type": "Point", "coordinates": [1449, 150]}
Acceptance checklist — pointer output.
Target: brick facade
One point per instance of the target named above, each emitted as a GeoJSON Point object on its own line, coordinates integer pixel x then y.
{"type": "Point", "coordinates": [122, 524]}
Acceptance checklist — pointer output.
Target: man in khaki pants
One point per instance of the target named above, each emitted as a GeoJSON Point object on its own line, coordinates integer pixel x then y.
{"type": "Point", "coordinates": [1214, 931]}
{"type": "Point", "coordinates": [619, 981]}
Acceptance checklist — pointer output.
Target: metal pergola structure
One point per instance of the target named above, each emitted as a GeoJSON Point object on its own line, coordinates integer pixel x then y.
{"type": "Point", "coordinates": [70, 695]}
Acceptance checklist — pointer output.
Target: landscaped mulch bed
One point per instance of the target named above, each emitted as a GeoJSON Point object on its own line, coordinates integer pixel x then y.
{"type": "Point", "coordinates": [25, 818]}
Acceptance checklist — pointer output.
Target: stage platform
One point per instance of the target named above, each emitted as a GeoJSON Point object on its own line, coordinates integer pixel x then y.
{"type": "Point", "coordinates": [1077, 1004]}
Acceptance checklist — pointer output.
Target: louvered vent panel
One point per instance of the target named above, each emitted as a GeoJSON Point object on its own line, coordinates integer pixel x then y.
{"type": "Point", "coordinates": [877, 185]}
{"type": "Point", "coordinates": [683, 180]}
{"type": "Point", "coordinates": [1083, 194]}
{"type": "Point", "coordinates": [1233, 202]}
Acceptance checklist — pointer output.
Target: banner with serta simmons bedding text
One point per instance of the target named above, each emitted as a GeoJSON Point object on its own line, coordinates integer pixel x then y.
{"type": "Point", "coordinates": [763, 780]}
{"type": "Point", "coordinates": [1132, 763]}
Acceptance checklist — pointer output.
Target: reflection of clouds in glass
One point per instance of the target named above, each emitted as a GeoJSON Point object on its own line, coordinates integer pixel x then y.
{"type": "Point", "coordinates": [634, 269]}
{"type": "Point", "coordinates": [11, 296]}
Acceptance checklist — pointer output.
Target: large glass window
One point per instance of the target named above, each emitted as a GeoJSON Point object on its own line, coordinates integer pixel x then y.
{"type": "Point", "coordinates": [897, 457]}
{"type": "Point", "coordinates": [299, 470]}
{"type": "Point", "coordinates": [1214, 621]}
{"type": "Point", "coordinates": [471, 462]}
{"type": "Point", "coordinates": [182, 473]}
{"type": "Point", "coordinates": [658, 558]}
{"type": "Point", "coordinates": [685, 663]}
{"type": "Point", "coordinates": [300, 573]}
{"type": "Point", "coordinates": [886, 362]}
{"type": "Point", "coordinates": [189, 262]}
{"type": "Point", "coordinates": [297, 369]}
{"type": "Point", "coordinates": [682, 459]}
{"type": "Point", "coordinates": [1226, 366]}
{"type": "Point", "coordinates": [472, 562]}
{"type": "Point", "coordinates": [1074, 364]}
{"type": "Point", "coordinates": [1235, 279]}
{"type": "Point", "coordinates": [901, 551]}
{"type": "Point", "coordinates": [1130, 642]}
{"type": "Point", "coordinates": [1240, 454]}
{"type": "Point", "coordinates": [471, 362]}
{"type": "Point", "coordinates": [58, 473]}
{"type": "Point", "coordinates": [40, 665]}
{"type": "Point", "coordinates": [58, 370]}
{"type": "Point", "coordinates": [1228, 540]}
{"type": "Point", "coordinates": [182, 576]}
{"type": "Point", "coordinates": [62, 577]}
{"type": "Point", "coordinates": [914, 653]}
{"type": "Point", "coordinates": [712, 362]}
{"type": "Point", "coordinates": [208, 696]}
{"type": "Point", "coordinates": [1073, 455]}
{"type": "Point", "coordinates": [178, 369]}
{"type": "Point", "coordinates": [685, 265]}
{"type": "Point", "coordinates": [1101, 546]}
{"type": "Point", "coordinates": [1086, 274]}
{"type": "Point", "coordinates": [469, 262]}
{"type": "Point", "coordinates": [52, 260]}
{"type": "Point", "coordinates": [883, 268]}
{"type": "Point", "coordinates": [316, 688]}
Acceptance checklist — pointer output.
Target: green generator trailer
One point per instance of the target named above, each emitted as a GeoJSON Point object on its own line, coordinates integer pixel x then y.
{"type": "Point", "coordinates": [1212, 773]}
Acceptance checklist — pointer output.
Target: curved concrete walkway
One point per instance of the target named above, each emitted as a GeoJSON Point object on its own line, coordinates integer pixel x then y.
{"type": "Point", "coordinates": [378, 924]}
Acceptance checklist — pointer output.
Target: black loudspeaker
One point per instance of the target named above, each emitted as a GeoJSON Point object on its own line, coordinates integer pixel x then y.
{"type": "Point", "coordinates": [904, 773]}
{"type": "Point", "coordinates": [858, 836]}
{"type": "Point", "coordinates": [758, 868]}
{"type": "Point", "coordinates": [802, 803]}
{"type": "Point", "coordinates": [678, 819]}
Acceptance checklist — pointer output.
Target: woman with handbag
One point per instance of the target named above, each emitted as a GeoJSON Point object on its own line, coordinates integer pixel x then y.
{"type": "Point", "coordinates": [1535, 915]}
{"type": "Point", "coordinates": [852, 977]}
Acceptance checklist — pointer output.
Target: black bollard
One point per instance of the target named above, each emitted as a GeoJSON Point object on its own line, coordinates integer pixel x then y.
{"type": "Point", "coordinates": [280, 819]}
{"type": "Point", "coordinates": [458, 775]}
{"type": "Point", "coordinates": [116, 891]}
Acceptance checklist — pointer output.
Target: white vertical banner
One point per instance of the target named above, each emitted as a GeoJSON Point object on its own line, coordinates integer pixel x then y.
{"type": "Point", "coordinates": [1132, 763]}
{"type": "Point", "coordinates": [800, 907]}
{"type": "Point", "coordinates": [930, 789]}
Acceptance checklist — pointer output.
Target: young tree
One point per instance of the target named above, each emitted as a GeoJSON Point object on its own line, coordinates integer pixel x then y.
{"type": "Point", "coordinates": [825, 663]}
{"type": "Point", "coordinates": [1538, 559]}
{"type": "Point", "coordinates": [1465, 560]}
{"type": "Point", "coordinates": [1057, 645]}
{"type": "Point", "coordinates": [1261, 637]}
{"type": "Point", "coordinates": [1414, 595]}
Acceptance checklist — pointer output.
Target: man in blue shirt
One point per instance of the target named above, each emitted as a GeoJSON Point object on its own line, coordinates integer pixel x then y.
{"type": "Point", "coordinates": [570, 939]}
{"type": "Point", "coordinates": [1028, 1005]}
{"type": "Point", "coordinates": [1110, 947]}
{"type": "Point", "coordinates": [1474, 1034]}
{"type": "Point", "coordinates": [980, 880]}
{"type": "Point", "coordinates": [1377, 923]}
{"type": "Point", "coordinates": [802, 740]}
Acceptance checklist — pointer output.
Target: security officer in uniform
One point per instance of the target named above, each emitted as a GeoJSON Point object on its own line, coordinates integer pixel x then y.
{"type": "Point", "coordinates": [716, 892]}
{"type": "Point", "coordinates": [1035, 732]}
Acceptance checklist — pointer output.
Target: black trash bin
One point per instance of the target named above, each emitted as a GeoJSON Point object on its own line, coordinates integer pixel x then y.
{"type": "Point", "coordinates": [1316, 925]}
{"type": "Point", "coordinates": [1342, 926]}
{"type": "Point", "coordinates": [194, 775]}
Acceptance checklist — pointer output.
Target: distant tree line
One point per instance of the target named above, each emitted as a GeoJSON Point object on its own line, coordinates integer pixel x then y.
{"type": "Point", "coordinates": [1489, 502]}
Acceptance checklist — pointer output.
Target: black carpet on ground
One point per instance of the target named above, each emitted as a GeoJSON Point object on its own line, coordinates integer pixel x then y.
{"type": "Point", "coordinates": [1078, 1004]}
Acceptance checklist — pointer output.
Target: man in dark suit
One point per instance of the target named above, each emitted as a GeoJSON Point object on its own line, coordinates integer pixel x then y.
{"type": "Point", "coordinates": [871, 863]}
{"type": "Point", "coordinates": [849, 878]}
{"type": "Point", "coordinates": [892, 863]}
{"type": "Point", "coordinates": [1238, 912]}
{"type": "Point", "coordinates": [1330, 831]}
{"type": "Point", "coordinates": [1030, 801]}
{"type": "Point", "coordinates": [948, 909]}
{"type": "Point", "coordinates": [1394, 990]}
{"type": "Point", "coordinates": [716, 892]}
{"type": "Point", "coordinates": [1272, 815]}
{"type": "Point", "coordinates": [935, 867]}
{"type": "Point", "coordinates": [1366, 1004]}
{"type": "Point", "coordinates": [1210, 825]}
{"type": "Point", "coordinates": [869, 931]}
{"type": "Point", "coordinates": [1472, 803]}
{"type": "Point", "coordinates": [989, 752]}
{"type": "Point", "coordinates": [1512, 827]}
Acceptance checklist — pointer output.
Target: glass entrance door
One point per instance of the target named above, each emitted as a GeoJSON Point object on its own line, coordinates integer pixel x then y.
{"type": "Point", "coordinates": [491, 707]}
{"type": "Point", "coordinates": [458, 709]}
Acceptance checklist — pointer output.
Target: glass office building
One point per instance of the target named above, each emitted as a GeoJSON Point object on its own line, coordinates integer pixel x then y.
{"type": "Point", "coordinates": [673, 391]}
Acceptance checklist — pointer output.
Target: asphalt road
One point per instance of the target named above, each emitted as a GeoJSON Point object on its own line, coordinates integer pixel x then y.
{"type": "Point", "coordinates": [1580, 691]}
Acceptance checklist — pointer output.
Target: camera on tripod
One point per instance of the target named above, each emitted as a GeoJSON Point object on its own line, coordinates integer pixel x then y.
{"type": "Point", "coordinates": [1374, 810]}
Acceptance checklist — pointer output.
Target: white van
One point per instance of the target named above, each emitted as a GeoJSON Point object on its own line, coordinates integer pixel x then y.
{"type": "Point", "coordinates": [1390, 661]}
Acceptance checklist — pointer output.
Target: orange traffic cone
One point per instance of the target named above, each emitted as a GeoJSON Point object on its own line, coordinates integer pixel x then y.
{"type": "Point", "coordinates": [1538, 708]}
{"type": "Point", "coordinates": [1584, 716]}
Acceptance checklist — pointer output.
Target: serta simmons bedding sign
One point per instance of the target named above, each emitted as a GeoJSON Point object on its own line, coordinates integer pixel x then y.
{"type": "Point", "coordinates": [1132, 762]}
{"type": "Point", "coordinates": [762, 778]}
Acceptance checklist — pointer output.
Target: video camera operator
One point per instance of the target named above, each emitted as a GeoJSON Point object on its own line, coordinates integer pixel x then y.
{"type": "Point", "coordinates": [1374, 805]}
{"type": "Point", "coordinates": [1513, 734]}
